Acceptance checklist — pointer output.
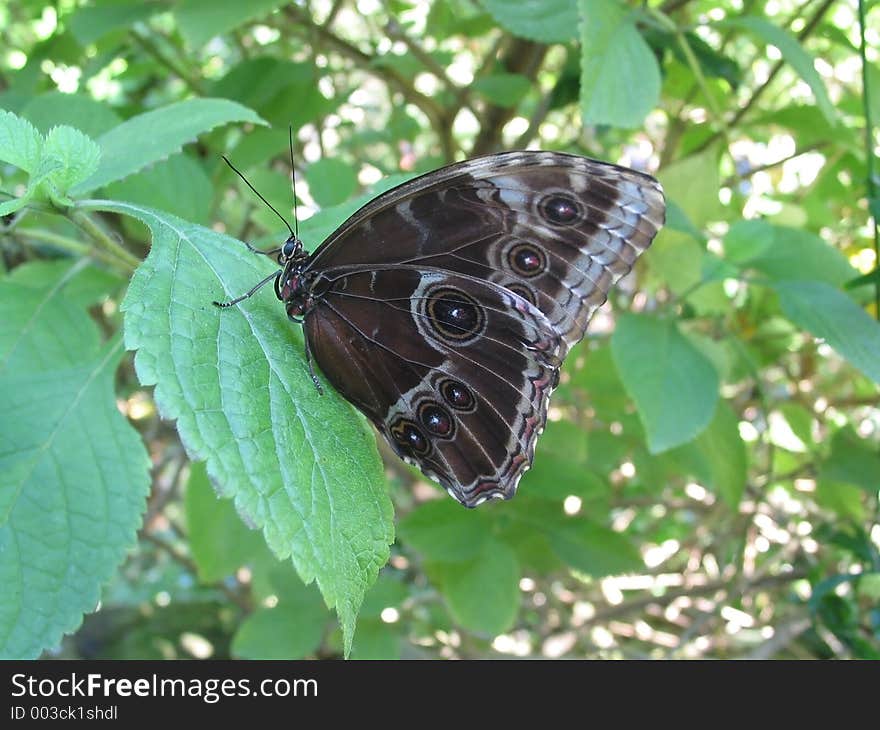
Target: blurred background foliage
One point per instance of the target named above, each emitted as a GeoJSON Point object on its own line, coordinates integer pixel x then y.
{"type": "Point", "coordinates": [708, 483]}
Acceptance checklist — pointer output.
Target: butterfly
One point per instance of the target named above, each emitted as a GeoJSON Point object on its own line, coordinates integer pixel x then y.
{"type": "Point", "coordinates": [443, 308]}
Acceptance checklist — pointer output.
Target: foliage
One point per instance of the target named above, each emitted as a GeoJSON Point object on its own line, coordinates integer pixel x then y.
{"type": "Point", "coordinates": [708, 482]}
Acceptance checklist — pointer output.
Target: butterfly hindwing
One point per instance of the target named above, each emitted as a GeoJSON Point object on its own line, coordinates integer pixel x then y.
{"type": "Point", "coordinates": [455, 372]}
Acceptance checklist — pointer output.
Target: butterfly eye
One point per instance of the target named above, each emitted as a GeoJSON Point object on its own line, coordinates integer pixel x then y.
{"type": "Point", "coordinates": [527, 260]}
{"type": "Point", "coordinates": [436, 420]}
{"type": "Point", "coordinates": [410, 437]}
{"type": "Point", "coordinates": [457, 395]}
{"type": "Point", "coordinates": [562, 210]}
{"type": "Point", "coordinates": [454, 315]}
{"type": "Point", "coordinates": [524, 292]}
{"type": "Point", "coordinates": [289, 248]}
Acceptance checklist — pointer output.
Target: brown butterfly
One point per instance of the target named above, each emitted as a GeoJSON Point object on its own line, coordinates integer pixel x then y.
{"type": "Point", "coordinates": [443, 308]}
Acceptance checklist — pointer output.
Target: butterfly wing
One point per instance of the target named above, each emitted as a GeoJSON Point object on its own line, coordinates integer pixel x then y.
{"type": "Point", "coordinates": [454, 371]}
{"type": "Point", "coordinates": [559, 230]}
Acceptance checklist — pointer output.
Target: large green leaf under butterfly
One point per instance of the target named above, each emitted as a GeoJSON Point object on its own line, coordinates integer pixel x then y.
{"type": "Point", "coordinates": [301, 467]}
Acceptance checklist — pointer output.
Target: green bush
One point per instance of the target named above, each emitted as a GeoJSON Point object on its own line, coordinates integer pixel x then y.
{"type": "Point", "coordinates": [707, 485]}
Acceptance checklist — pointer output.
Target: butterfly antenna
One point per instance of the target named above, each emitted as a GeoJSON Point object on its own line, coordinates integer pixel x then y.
{"type": "Point", "coordinates": [293, 179]}
{"type": "Point", "coordinates": [256, 192]}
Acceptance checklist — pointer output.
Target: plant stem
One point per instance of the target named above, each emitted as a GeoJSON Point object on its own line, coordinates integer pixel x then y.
{"type": "Point", "coordinates": [103, 241]}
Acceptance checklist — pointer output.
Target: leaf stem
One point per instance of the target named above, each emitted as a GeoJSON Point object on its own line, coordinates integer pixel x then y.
{"type": "Point", "coordinates": [103, 241]}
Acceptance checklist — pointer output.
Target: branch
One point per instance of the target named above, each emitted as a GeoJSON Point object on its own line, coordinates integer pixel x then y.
{"type": "Point", "coordinates": [365, 62]}
{"type": "Point", "coordinates": [777, 67]}
{"type": "Point", "coordinates": [521, 57]}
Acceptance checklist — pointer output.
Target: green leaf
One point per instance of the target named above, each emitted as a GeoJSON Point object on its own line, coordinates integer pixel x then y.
{"type": "Point", "coordinates": [91, 23]}
{"type": "Point", "coordinates": [620, 78]}
{"type": "Point", "coordinates": [794, 54]}
{"type": "Point", "coordinates": [74, 474]}
{"type": "Point", "coordinates": [76, 110]}
{"type": "Point", "coordinates": [376, 640]}
{"type": "Point", "coordinates": [444, 532]}
{"type": "Point", "coordinates": [154, 135]}
{"type": "Point", "coordinates": [717, 457]}
{"type": "Point", "coordinates": [561, 466]}
{"type": "Point", "coordinates": [291, 630]}
{"type": "Point", "coordinates": [483, 593]}
{"type": "Point", "coordinates": [300, 466]}
{"type": "Point", "coordinates": [387, 592]}
{"type": "Point", "coordinates": [548, 21]}
{"type": "Point", "coordinates": [20, 142]}
{"type": "Point", "coordinates": [853, 460]}
{"type": "Point", "coordinates": [674, 386]}
{"type": "Point", "coordinates": [317, 228]}
{"type": "Point", "coordinates": [201, 20]}
{"type": "Point", "coordinates": [45, 168]}
{"type": "Point", "coordinates": [593, 549]}
{"type": "Point", "coordinates": [504, 90]}
{"type": "Point", "coordinates": [83, 286]}
{"type": "Point", "coordinates": [846, 500]}
{"type": "Point", "coordinates": [331, 181]}
{"type": "Point", "coordinates": [692, 183]}
{"type": "Point", "coordinates": [219, 541]}
{"type": "Point", "coordinates": [748, 240]}
{"type": "Point", "coordinates": [79, 156]}
{"type": "Point", "coordinates": [829, 314]}
{"type": "Point", "coordinates": [785, 253]}
{"type": "Point", "coordinates": [675, 261]}
{"type": "Point", "coordinates": [178, 185]}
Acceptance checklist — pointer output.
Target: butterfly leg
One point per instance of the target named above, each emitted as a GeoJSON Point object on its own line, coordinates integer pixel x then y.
{"type": "Point", "coordinates": [232, 302]}
{"type": "Point", "coordinates": [309, 361]}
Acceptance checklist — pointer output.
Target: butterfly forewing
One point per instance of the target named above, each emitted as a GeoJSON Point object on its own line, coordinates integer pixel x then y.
{"type": "Point", "coordinates": [557, 229]}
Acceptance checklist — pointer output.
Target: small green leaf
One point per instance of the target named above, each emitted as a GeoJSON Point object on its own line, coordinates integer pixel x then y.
{"type": "Point", "coordinates": [78, 154]}
{"type": "Point", "coordinates": [376, 640]}
{"type": "Point", "coordinates": [20, 142]}
{"type": "Point", "coordinates": [620, 78]}
{"type": "Point", "coordinates": [692, 183]}
{"type": "Point", "coordinates": [300, 466]}
{"type": "Point", "coordinates": [291, 630]}
{"type": "Point", "coordinates": [504, 90]}
{"type": "Point", "coordinates": [828, 313]}
{"type": "Point", "coordinates": [785, 253]}
{"type": "Point", "coordinates": [674, 386]}
{"type": "Point", "coordinates": [91, 23]}
{"type": "Point", "coordinates": [748, 240]}
{"type": "Point", "coordinates": [548, 21]}
{"type": "Point", "coordinates": [444, 532]}
{"type": "Point", "coordinates": [793, 52]}
{"type": "Point", "coordinates": [718, 456]}
{"type": "Point", "coordinates": [201, 20]}
{"type": "Point", "coordinates": [218, 539]}
{"type": "Point", "coordinates": [156, 134]}
{"type": "Point", "coordinates": [331, 181]}
{"type": "Point", "coordinates": [593, 549]}
{"type": "Point", "coordinates": [483, 593]}
{"type": "Point", "coordinates": [846, 500]}
{"type": "Point", "coordinates": [853, 460]}
{"type": "Point", "coordinates": [83, 112]}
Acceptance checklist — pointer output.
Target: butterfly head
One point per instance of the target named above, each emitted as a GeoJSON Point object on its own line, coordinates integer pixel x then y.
{"type": "Point", "coordinates": [294, 286]}
{"type": "Point", "coordinates": [291, 251]}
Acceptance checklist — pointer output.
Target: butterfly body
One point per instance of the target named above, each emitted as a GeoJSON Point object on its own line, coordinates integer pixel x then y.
{"type": "Point", "coordinates": [443, 309]}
